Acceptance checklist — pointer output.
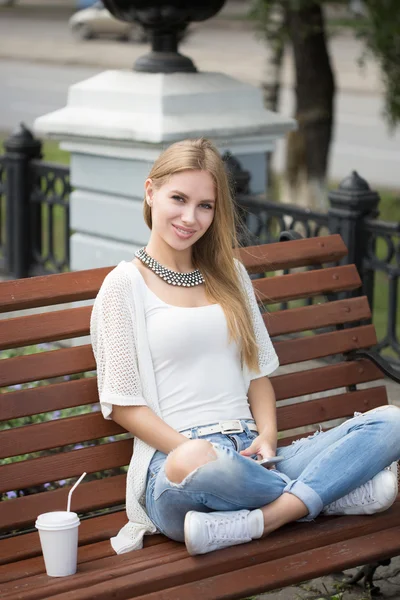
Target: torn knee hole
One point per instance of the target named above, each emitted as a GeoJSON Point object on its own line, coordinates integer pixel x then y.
{"type": "Point", "coordinates": [184, 461]}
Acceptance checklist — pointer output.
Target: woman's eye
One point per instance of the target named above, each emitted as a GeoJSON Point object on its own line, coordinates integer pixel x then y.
{"type": "Point", "coordinates": [208, 206]}
{"type": "Point", "coordinates": [177, 197]}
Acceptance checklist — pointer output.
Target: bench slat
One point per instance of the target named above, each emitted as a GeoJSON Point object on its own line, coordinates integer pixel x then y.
{"type": "Point", "coordinates": [292, 254]}
{"type": "Point", "coordinates": [45, 365]}
{"type": "Point", "coordinates": [326, 378]}
{"type": "Point", "coordinates": [63, 465]}
{"type": "Point", "coordinates": [307, 318]}
{"type": "Point", "coordinates": [57, 433]}
{"type": "Point", "coordinates": [68, 464]}
{"type": "Point", "coordinates": [331, 407]}
{"type": "Point", "coordinates": [91, 531]}
{"type": "Point", "coordinates": [84, 391]}
{"type": "Point", "coordinates": [49, 290]}
{"type": "Point", "coordinates": [325, 344]}
{"type": "Point", "coordinates": [35, 367]}
{"type": "Point", "coordinates": [306, 284]}
{"type": "Point", "coordinates": [48, 398]}
{"type": "Point", "coordinates": [275, 574]}
{"type": "Point", "coordinates": [127, 577]}
{"type": "Point", "coordinates": [66, 324]}
{"type": "Point", "coordinates": [53, 434]}
{"type": "Point", "coordinates": [155, 549]}
{"type": "Point", "coordinates": [91, 496]}
{"type": "Point", "coordinates": [45, 327]}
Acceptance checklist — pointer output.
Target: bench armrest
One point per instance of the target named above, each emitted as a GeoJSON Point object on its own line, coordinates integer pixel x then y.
{"type": "Point", "coordinates": [380, 362]}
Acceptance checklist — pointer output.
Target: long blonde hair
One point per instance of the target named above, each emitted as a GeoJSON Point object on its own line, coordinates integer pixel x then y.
{"type": "Point", "coordinates": [213, 253]}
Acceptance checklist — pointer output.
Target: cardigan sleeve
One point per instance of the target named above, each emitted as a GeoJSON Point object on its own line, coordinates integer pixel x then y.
{"type": "Point", "coordinates": [267, 358]}
{"type": "Point", "coordinates": [113, 341]}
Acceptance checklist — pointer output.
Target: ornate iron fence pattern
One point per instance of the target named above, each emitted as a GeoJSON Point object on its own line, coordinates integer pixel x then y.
{"type": "Point", "coordinates": [381, 265]}
{"type": "Point", "coordinates": [36, 238]}
{"type": "Point", "coordinates": [265, 220]}
{"type": "Point", "coordinates": [49, 201]}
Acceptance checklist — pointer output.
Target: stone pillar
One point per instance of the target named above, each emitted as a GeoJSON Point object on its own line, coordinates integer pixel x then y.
{"type": "Point", "coordinates": [115, 125]}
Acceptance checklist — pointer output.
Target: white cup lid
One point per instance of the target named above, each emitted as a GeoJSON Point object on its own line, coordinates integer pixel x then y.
{"type": "Point", "coordinates": [56, 520]}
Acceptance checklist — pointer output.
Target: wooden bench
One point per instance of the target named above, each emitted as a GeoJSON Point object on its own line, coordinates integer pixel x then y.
{"type": "Point", "coordinates": [295, 553]}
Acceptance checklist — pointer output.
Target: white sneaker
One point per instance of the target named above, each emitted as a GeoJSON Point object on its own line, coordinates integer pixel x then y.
{"type": "Point", "coordinates": [206, 532]}
{"type": "Point", "coordinates": [375, 496]}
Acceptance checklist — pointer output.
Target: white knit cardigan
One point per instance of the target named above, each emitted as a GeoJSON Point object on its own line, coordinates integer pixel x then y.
{"type": "Point", "coordinates": [126, 377]}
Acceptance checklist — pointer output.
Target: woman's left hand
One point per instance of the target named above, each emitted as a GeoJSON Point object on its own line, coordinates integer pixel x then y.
{"type": "Point", "coordinates": [261, 447]}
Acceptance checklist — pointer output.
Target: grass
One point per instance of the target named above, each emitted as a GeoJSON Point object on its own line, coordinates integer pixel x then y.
{"type": "Point", "coordinates": [51, 151]}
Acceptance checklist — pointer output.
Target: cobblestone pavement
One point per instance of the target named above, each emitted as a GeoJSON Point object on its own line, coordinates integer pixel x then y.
{"type": "Point", "coordinates": [331, 588]}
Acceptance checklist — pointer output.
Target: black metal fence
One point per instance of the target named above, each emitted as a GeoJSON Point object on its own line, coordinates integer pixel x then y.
{"type": "Point", "coordinates": [34, 197]}
{"type": "Point", "coordinates": [34, 225]}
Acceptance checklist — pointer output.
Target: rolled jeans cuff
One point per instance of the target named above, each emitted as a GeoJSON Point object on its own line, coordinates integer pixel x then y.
{"type": "Point", "coordinates": [307, 495]}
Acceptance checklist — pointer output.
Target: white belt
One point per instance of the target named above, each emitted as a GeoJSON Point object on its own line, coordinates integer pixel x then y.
{"type": "Point", "coordinates": [233, 426]}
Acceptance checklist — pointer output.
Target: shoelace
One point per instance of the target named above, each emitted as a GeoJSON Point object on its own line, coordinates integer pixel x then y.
{"type": "Point", "coordinates": [362, 495]}
{"type": "Point", "coordinates": [228, 529]}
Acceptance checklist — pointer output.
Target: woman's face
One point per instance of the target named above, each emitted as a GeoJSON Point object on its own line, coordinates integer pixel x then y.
{"type": "Point", "coordinates": [183, 208]}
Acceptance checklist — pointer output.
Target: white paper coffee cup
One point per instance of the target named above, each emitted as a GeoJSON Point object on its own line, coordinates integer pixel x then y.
{"type": "Point", "coordinates": [58, 533]}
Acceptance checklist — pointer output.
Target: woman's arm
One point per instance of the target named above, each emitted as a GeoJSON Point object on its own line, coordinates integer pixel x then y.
{"type": "Point", "coordinates": [261, 397]}
{"type": "Point", "coordinates": [262, 403]}
{"type": "Point", "coordinates": [143, 423]}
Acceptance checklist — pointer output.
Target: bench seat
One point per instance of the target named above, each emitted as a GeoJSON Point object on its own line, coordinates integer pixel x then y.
{"type": "Point", "coordinates": [308, 393]}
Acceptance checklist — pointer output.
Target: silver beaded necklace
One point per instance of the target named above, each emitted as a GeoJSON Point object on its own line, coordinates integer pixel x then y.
{"type": "Point", "coordinates": [173, 277]}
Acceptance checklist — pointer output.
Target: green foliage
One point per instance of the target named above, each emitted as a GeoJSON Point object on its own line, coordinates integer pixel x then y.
{"type": "Point", "coordinates": [381, 33]}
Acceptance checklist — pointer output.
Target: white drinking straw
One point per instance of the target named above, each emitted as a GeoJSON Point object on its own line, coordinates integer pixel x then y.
{"type": "Point", "coordinates": [72, 489]}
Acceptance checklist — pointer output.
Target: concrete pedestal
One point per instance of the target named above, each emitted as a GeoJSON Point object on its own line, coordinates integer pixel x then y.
{"type": "Point", "coordinates": [116, 124]}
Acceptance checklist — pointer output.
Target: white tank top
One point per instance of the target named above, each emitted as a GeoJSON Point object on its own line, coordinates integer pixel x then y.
{"type": "Point", "coordinates": [198, 374]}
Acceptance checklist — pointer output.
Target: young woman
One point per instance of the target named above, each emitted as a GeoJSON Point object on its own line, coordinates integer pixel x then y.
{"type": "Point", "coordinates": [183, 360]}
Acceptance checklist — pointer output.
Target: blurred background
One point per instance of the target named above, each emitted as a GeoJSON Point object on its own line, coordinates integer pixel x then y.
{"type": "Point", "coordinates": [46, 45]}
{"type": "Point", "coordinates": [333, 66]}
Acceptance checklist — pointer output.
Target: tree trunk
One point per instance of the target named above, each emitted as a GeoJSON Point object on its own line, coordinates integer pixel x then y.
{"type": "Point", "coordinates": [271, 84]}
{"type": "Point", "coordinates": [308, 147]}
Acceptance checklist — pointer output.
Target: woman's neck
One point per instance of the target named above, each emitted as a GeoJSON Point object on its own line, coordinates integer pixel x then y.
{"type": "Point", "coordinates": [177, 260]}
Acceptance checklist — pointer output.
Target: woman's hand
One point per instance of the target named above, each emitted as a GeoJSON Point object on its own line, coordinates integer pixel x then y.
{"type": "Point", "coordinates": [261, 447]}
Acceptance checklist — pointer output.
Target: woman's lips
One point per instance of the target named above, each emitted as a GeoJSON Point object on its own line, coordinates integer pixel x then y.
{"type": "Point", "coordinates": [183, 233]}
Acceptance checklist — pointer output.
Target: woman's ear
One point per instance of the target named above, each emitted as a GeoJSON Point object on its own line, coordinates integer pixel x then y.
{"type": "Point", "coordinates": [148, 187]}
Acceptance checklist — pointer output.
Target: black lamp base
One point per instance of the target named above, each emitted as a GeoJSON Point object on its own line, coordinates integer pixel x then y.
{"type": "Point", "coordinates": [164, 62]}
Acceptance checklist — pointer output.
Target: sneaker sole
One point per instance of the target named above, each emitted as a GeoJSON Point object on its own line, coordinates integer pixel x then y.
{"type": "Point", "coordinates": [189, 547]}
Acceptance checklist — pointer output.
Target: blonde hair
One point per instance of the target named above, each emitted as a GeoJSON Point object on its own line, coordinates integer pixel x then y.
{"type": "Point", "coordinates": [213, 253]}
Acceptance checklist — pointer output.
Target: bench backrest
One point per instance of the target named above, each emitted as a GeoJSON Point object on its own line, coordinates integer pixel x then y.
{"type": "Point", "coordinates": [42, 388]}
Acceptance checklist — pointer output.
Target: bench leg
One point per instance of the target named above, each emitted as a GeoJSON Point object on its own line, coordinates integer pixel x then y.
{"type": "Point", "coordinates": [367, 573]}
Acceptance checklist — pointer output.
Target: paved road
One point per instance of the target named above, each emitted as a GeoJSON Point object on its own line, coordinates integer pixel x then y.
{"type": "Point", "coordinates": [39, 60]}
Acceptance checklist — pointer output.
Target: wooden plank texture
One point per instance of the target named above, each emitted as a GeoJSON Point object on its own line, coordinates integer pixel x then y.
{"type": "Point", "coordinates": [83, 285]}
{"type": "Point", "coordinates": [64, 465]}
{"type": "Point", "coordinates": [308, 318]}
{"type": "Point", "coordinates": [306, 284]}
{"type": "Point", "coordinates": [74, 322]}
{"type": "Point", "coordinates": [44, 327]}
{"type": "Point", "coordinates": [287, 255]}
{"type": "Point", "coordinates": [57, 433]}
{"type": "Point", "coordinates": [88, 497]}
{"type": "Point", "coordinates": [325, 344]}
{"type": "Point", "coordinates": [21, 547]}
{"type": "Point", "coordinates": [84, 391]}
{"type": "Point", "coordinates": [35, 367]}
{"type": "Point", "coordinates": [325, 378]}
{"type": "Point", "coordinates": [129, 576]}
{"type": "Point", "coordinates": [332, 407]}
{"type": "Point", "coordinates": [278, 573]}
{"type": "Point", "coordinates": [48, 398]}
{"type": "Point", "coordinates": [45, 365]}
{"type": "Point", "coordinates": [48, 290]}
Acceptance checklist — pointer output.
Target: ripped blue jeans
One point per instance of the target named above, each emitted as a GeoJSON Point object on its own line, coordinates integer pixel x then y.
{"type": "Point", "coordinates": [318, 470]}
